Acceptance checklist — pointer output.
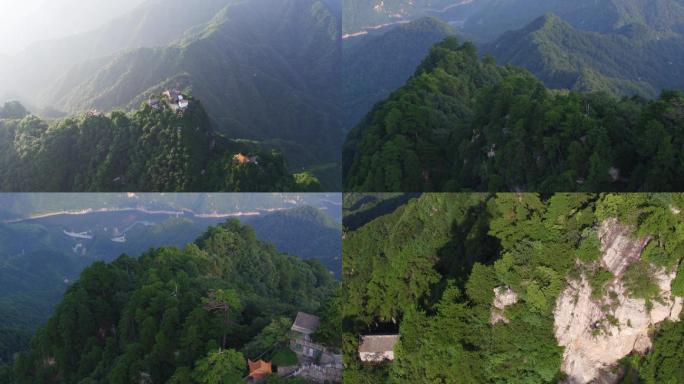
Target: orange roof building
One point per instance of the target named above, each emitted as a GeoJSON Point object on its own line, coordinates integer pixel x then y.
{"type": "Point", "coordinates": [258, 370]}
{"type": "Point", "coordinates": [240, 158]}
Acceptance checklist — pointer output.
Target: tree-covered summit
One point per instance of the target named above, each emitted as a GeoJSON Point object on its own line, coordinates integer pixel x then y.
{"type": "Point", "coordinates": [191, 315]}
{"type": "Point", "coordinates": [165, 145]}
{"type": "Point", "coordinates": [465, 123]}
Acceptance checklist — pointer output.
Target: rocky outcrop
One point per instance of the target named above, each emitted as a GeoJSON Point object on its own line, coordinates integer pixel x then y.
{"type": "Point", "coordinates": [596, 333]}
{"type": "Point", "coordinates": [619, 249]}
{"type": "Point", "coordinates": [503, 297]}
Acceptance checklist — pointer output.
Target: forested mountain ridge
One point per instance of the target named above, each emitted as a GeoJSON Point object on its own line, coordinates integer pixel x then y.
{"type": "Point", "coordinates": [153, 318]}
{"type": "Point", "coordinates": [621, 47]}
{"type": "Point", "coordinates": [434, 270]}
{"type": "Point", "coordinates": [152, 149]}
{"type": "Point", "coordinates": [461, 123]}
{"type": "Point", "coordinates": [39, 260]}
{"type": "Point", "coordinates": [221, 66]}
{"type": "Point", "coordinates": [632, 60]}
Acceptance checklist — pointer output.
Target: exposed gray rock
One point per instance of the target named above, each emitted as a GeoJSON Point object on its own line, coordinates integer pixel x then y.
{"type": "Point", "coordinates": [503, 297]}
{"type": "Point", "coordinates": [596, 333]}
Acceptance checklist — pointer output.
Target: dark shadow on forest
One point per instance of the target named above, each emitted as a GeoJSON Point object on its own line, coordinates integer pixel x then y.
{"type": "Point", "coordinates": [470, 243]}
{"type": "Point", "coordinates": [356, 220]}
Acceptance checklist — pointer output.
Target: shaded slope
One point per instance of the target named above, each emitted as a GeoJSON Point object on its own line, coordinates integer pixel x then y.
{"type": "Point", "coordinates": [632, 61]}
{"type": "Point", "coordinates": [263, 71]}
{"type": "Point", "coordinates": [305, 232]}
{"type": "Point", "coordinates": [374, 66]}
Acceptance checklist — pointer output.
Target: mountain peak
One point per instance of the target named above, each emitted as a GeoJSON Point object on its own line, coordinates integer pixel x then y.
{"type": "Point", "coordinates": [546, 21]}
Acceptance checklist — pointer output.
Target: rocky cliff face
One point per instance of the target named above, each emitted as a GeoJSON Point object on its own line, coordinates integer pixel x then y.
{"type": "Point", "coordinates": [596, 333]}
{"type": "Point", "coordinates": [503, 297]}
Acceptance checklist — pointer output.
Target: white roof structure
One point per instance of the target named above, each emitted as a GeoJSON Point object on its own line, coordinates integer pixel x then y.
{"type": "Point", "coordinates": [377, 348]}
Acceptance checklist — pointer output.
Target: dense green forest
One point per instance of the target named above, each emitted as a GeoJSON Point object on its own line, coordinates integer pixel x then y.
{"type": "Point", "coordinates": [429, 269]}
{"type": "Point", "coordinates": [148, 150]}
{"type": "Point", "coordinates": [13, 110]}
{"type": "Point", "coordinates": [464, 123]}
{"type": "Point", "coordinates": [190, 315]}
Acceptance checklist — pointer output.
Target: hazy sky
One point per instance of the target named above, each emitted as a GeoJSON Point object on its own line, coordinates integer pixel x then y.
{"type": "Point", "coordinates": [23, 22]}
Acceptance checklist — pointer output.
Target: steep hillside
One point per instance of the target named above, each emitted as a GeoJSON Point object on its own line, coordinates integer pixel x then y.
{"type": "Point", "coordinates": [634, 60]}
{"type": "Point", "coordinates": [461, 123]}
{"type": "Point", "coordinates": [39, 262]}
{"type": "Point", "coordinates": [154, 23]}
{"type": "Point", "coordinates": [305, 232]}
{"type": "Point", "coordinates": [516, 288]}
{"type": "Point", "coordinates": [168, 315]}
{"type": "Point", "coordinates": [374, 66]}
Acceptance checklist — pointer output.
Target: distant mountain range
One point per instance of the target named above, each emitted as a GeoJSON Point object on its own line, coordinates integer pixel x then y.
{"type": "Point", "coordinates": [632, 60]}
{"type": "Point", "coordinates": [363, 16]}
{"type": "Point", "coordinates": [488, 19]}
{"type": "Point", "coordinates": [306, 232]}
{"type": "Point", "coordinates": [15, 206]}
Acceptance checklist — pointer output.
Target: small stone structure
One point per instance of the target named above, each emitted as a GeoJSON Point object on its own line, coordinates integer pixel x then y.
{"type": "Point", "coordinates": [377, 348]}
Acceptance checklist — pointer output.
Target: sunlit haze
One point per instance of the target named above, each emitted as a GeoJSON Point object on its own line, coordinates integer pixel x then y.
{"type": "Point", "coordinates": [23, 22]}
